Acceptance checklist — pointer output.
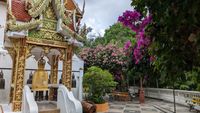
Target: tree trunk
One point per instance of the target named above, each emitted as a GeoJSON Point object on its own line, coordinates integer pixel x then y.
{"type": "Point", "coordinates": [141, 93]}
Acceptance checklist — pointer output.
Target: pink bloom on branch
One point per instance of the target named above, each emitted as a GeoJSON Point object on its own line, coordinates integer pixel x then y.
{"type": "Point", "coordinates": [134, 21]}
{"type": "Point", "coordinates": [127, 45]}
{"type": "Point", "coordinates": [152, 58]}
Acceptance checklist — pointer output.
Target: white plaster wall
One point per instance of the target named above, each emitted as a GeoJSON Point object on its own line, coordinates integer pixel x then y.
{"type": "Point", "coordinates": [3, 13]}
{"type": "Point", "coordinates": [77, 67]}
{"type": "Point", "coordinates": [6, 62]}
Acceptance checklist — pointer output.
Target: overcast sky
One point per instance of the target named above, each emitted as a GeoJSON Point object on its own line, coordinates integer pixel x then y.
{"type": "Point", "coordinates": [100, 14]}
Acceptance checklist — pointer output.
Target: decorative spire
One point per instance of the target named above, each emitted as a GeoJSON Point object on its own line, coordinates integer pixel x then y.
{"type": "Point", "coordinates": [83, 10]}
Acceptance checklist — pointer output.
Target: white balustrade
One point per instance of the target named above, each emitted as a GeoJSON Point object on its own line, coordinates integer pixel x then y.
{"type": "Point", "coordinates": [67, 102]}
{"type": "Point", "coordinates": [167, 94]}
{"type": "Point", "coordinates": [29, 104]}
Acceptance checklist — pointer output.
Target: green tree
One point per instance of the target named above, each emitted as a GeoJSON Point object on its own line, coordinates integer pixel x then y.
{"type": "Point", "coordinates": [175, 33]}
{"type": "Point", "coordinates": [117, 34]}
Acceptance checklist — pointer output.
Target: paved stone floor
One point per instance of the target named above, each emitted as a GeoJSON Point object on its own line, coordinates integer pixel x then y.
{"type": "Point", "coordinates": [150, 106]}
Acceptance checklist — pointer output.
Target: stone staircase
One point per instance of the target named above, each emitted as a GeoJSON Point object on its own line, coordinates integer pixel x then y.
{"type": "Point", "coordinates": [48, 107]}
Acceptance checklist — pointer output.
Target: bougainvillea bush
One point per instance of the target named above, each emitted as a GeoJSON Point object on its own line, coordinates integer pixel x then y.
{"type": "Point", "coordinates": [137, 23]}
{"type": "Point", "coordinates": [139, 62]}
{"type": "Point", "coordinates": [108, 57]}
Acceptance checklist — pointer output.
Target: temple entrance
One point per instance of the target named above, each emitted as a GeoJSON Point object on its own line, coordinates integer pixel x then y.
{"type": "Point", "coordinates": [41, 78]}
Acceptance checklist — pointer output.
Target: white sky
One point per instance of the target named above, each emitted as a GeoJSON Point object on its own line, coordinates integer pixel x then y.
{"type": "Point", "coordinates": [100, 14]}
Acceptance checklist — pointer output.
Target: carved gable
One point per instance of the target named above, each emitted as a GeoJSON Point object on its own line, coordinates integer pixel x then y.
{"type": "Point", "coordinates": [47, 30]}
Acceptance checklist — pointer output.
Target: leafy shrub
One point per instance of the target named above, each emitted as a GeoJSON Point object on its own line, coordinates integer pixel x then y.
{"type": "Point", "coordinates": [98, 82]}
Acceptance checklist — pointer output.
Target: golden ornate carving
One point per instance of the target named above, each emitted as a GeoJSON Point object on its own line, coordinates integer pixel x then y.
{"type": "Point", "coordinates": [37, 10]}
{"type": "Point", "coordinates": [12, 53]}
{"type": "Point", "coordinates": [55, 69]}
{"type": "Point", "coordinates": [29, 48]}
{"type": "Point", "coordinates": [16, 106]}
{"type": "Point", "coordinates": [64, 70]}
{"type": "Point", "coordinates": [54, 74]}
{"type": "Point", "coordinates": [45, 34]}
{"type": "Point", "coordinates": [48, 43]}
{"type": "Point", "coordinates": [19, 68]}
{"type": "Point", "coordinates": [49, 13]}
{"type": "Point", "coordinates": [67, 67]}
{"type": "Point", "coordinates": [49, 24]}
{"type": "Point", "coordinates": [62, 52]}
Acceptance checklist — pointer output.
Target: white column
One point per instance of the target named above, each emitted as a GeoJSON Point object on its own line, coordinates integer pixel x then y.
{"type": "Point", "coordinates": [3, 15]}
{"type": "Point", "coordinates": [80, 86]}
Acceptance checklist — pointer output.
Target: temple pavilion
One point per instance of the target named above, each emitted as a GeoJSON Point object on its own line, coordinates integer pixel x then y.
{"type": "Point", "coordinates": [39, 28]}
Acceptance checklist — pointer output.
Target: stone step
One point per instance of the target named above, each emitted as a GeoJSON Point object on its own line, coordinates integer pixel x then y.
{"type": "Point", "coordinates": [48, 107]}
{"type": "Point", "coordinates": [50, 111]}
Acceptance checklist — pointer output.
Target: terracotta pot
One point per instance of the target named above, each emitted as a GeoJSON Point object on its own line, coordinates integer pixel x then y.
{"type": "Point", "coordinates": [141, 96]}
{"type": "Point", "coordinates": [102, 107]}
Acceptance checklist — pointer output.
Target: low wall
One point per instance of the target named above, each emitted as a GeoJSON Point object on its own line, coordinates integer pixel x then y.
{"type": "Point", "coordinates": [167, 94]}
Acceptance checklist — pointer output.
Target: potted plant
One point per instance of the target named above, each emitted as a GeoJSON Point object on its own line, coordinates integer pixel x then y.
{"type": "Point", "coordinates": [98, 82]}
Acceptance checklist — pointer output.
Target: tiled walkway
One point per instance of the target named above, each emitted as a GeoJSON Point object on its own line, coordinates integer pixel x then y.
{"type": "Point", "coordinates": [149, 107]}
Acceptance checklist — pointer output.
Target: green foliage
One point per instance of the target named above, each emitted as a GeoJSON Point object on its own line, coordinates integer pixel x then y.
{"type": "Point", "coordinates": [117, 34]}
{"type": "Point", "coordinates": [175, 33]}
{"type": "Point", "coordinates": [98, 82]}
{"type": "Point", "coordinates": [191, 80]}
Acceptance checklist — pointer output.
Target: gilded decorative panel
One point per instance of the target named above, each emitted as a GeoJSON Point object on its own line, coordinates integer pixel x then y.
{"type": "Point", "coordinates": [49, 13]}
{"type": "Point", "coordinates": [45, 34]}
{"type": "Point", "coordinates": [49, 24]}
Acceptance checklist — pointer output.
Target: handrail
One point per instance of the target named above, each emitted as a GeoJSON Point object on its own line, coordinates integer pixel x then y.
{"type": "Point", "coordinates": [29, 104]}
{"type": "Point", "coordinates": [1, 109]}
{"type": "Point", "coordinates": [66, 101]}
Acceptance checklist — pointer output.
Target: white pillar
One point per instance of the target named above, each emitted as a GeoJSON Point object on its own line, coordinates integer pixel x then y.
{"type": "Point", "coordinates": [80, 86]}
{"type": "Point", "coordinates": [3, 16]}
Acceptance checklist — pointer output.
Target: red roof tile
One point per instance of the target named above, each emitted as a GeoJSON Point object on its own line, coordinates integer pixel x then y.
{"type": "Point", "coordinates": [71, 26]}
{"type": "Point", "coordinates": [18, 10]}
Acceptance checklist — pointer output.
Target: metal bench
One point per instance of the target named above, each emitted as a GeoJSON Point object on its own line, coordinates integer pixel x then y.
{"type": "Point", "coordinates": [197, 108]}
{"type": "Point", "coordinates": [194, 104]}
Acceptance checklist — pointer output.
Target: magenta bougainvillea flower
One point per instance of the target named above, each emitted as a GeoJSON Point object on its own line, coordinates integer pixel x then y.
{"type": "Point", "coordinates": [137, 23]}
{"type": "Point", "coordinates": [127, 45]}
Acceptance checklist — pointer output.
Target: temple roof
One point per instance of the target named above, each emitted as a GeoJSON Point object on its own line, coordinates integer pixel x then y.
{"type": "Point", "coordinates": [72, 5]}
{"type": "Point", "coordinates": [18, 10]}
{"type": "Point", "coordinates": [59, 17]}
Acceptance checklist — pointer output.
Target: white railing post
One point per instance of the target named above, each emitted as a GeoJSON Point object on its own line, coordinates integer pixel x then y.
{"type": "Point", "coordinates": [67, 102]}
{"type": "Point", "coordinates": [29, 104]}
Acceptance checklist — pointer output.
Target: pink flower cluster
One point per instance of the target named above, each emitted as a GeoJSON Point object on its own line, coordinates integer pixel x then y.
{"type": "Point", "coordinates": [137, 23]}
{"type": "Point", "coordinates": [106, 57]}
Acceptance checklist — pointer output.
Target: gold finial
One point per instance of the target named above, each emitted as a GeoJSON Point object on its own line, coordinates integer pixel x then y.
{"type": "Point", "coordinates": [41, 63]}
